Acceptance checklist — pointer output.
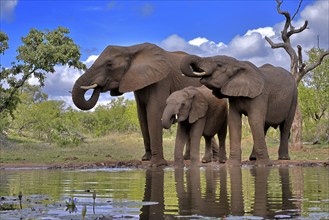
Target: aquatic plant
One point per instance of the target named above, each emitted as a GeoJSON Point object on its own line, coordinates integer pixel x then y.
{"type": "Point", "coordinates": [84, 211]}
{"type": "Point", "coordinates": [20, 196]}
{"type": "Point", "coordinates": [71, 205]}
{"type": "Point", "coordinates": [94, 195]}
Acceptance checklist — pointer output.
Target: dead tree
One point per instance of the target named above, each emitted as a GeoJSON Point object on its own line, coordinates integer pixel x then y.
{"type": "Point", "coordinates": [297, 67]}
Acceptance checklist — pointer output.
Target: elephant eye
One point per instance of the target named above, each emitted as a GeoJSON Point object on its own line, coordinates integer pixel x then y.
{"type": "Point", "coordinates": [109, 64]}
{"type": "Point", "coordinates": [219, 65]}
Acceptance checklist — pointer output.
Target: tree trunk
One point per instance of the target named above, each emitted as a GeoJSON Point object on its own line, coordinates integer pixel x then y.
{"type": "Point", "coordinates": [296, 130]}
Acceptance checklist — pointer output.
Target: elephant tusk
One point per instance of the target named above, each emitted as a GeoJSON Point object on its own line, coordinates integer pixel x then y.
{"type": "Point", "coordinates": [93, 86]}
{"type": "Point", "coordinates": [199, 73]}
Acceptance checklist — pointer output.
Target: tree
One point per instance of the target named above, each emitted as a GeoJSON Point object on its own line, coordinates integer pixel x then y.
{"type": "Point", "coordinates": [40, 53]}
{"type": "Point", "coordinates": [47, 120]}
{"type": "Point", "coordinates": [297, 67]}
{"type": "Point", "coordinates": [314, 99]}
{"type": "Point", "coordinates": [118, 115]}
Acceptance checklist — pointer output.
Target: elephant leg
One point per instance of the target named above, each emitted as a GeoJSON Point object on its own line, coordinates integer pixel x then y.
{"type": "Point", "coordinates": [284, 138]}
{"type": "Point", "coordinates": [156, 143]}
{"type": "Point", "coordinates": [195, 136]}
{"type": "Point", "coordinates": [284, 135]}
{"type": "Point", "coordinates": [235, 126]}
{"type": "Point", "coordinates": [257, 122]}
{"type": "Point", "coordinates": [142, 117]}
{"type": "Point", "coordinates": [215, 149]}
{"type": "Point", "coordinates": [181, 139]}
{"type": "Point", "coordinates": [253, 153]}
{"type": "Point", "coordinates": [208, 151]}
{"type": "Point", "coordinates": [222, 146]}
{"type": "Point", "coordinates": [187, 150]}
{"type": "Point", "coordinates": [154, 113]}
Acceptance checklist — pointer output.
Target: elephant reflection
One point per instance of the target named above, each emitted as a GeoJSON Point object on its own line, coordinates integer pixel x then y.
{"type": "Point", "coordinates": [230, 200]}
{"type": "Point", "coordinates": [190, 199]}
{"type": "Point", "coordinates": [154, 188]}
{"type": "Point", "coordinates": [262, 206]}
{"type": "Point", "coordinates": [211, 202]}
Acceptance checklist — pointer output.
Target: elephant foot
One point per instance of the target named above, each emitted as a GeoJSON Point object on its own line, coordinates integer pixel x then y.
{"type": "Point", "coordinates": [157, 162]}
{"type": "Point", "coordinates": [222, 159]}
{"type": "Point", "coordinates": [187, 156]}
{"type": "Point", "coordinates": [206, 159]}
{"type": "Point", "coordinates": [252, 157]}
{"type": "Point", "coordinates": [284, 157]}
{"type": "Point", "coordinates": [195, 164]}
{"type": "Point", "coordinates": [147, 156]}
{"type": "Point", "coordinates": [179, 163]}
{"type": "Point", "coordinates": [233, 162]}
{"type": "Point", "coordinates": [215, 158]}
{"type": "Point", "coordinates": [263, 162]}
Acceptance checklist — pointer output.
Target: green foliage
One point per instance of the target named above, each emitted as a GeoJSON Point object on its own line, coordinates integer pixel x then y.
{"type": "Point", "coordinates": [42, 119]}
{"type": "Point", "coordinates": [3, 42]}
{"type": "Point", "coordinates": [119, 115]}
{"type": "Point", "coordinates": [38, 118]}
{"type": "Point", "coordinates": [314, 100]}
{"type": "Point", "coordinates": [40, 53]}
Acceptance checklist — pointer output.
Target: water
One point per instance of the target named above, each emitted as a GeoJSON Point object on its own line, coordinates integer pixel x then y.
{"type": "Point", "coordinates": [189, 193]}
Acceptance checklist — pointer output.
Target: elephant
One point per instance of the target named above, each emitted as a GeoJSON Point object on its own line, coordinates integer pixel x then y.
{"type": "Point", "coordinates": [199, 113]}
{"type": "Point", "coordinates": [145, 69]}
{"type": "Point", "coordinates": [267, 95]}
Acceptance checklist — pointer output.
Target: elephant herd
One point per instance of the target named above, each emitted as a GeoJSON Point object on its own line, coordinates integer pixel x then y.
{"type": "Point", "coordinates": [202, 94]}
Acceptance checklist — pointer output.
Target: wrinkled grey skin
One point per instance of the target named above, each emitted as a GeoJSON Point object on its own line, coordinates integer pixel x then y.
{"type": "Point", "coordinates": [199, 113]}
{"type": "Point", "coordinates": [266, 94]}
{"type": "Point", "coordinates": [150, 72]}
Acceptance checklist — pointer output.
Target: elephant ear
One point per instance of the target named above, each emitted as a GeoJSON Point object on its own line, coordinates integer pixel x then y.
{"type": "Point", "coordinates": [199, 108]}
{"type": "Point", "coordinates": [148, 65]}
{"type": "Point", "coordinates": [246, 80]}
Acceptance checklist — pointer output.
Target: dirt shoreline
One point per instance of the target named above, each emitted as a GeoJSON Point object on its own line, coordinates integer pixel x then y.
{"type": "Point", "coordinates": [145, 164]}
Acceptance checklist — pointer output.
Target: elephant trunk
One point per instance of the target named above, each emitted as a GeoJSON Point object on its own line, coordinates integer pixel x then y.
{"type": "Point", "coordinates": [168, 118]}
{"type": "Point", "coordinates": [80, 87]}
{"type": "Point", "coordinates": [190, 66]}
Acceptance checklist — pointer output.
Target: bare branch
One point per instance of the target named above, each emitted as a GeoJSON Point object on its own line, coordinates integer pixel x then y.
{"type": "Point", "coordinates": [275, 45]}
{"type": "Point", "coordinates": [301, 64]}
{"type": "Point", "coordinates": [316, 64]}
{"type": "Point", "coordinates": [295, 31]}
{"type": "Point", "coordinates": [300, 3]}
{"type": "Point", "coordinates": [300, 56]}
{"type": "Point", "coordinates": [287, 15]}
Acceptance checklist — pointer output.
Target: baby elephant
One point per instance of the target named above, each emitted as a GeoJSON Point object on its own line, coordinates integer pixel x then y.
{"type": "Point", "coordinates": [199, 113]}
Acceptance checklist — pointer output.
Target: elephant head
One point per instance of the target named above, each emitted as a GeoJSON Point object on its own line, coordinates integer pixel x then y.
{"type": "Point", "coordinates": [184, 104]}
{"type": "Point", "coordinates": [225, 75]}
{"type": "Point", "coordinates": [119, 70]}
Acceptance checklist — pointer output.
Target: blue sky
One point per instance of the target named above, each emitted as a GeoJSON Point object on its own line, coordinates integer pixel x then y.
{"type": "Point", "coordinates": [206, 28]}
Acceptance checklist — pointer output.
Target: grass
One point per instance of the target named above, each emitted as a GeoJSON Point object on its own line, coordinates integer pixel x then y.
{"type": "Point", "coordinates": [127, 147]}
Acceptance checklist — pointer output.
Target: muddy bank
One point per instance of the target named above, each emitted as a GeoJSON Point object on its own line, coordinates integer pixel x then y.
{"type": "Point", "coordinates": [145, 164]}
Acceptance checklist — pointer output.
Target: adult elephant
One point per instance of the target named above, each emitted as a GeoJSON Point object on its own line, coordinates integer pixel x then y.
{"type": "Point", "coordinates": [199, 113]}
{"type": "Point", "coordinates": [151, 72]}
{"type": "Point", "coordinates": [267, 95]}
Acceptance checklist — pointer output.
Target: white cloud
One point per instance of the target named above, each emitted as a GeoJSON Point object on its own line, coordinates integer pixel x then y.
{"type": "Point", "coordinates": [266, 31]}
{"type": "Point", "coordinates": [7, 8]}
{"type": "Point", "coordinates": [198, 41]}
{"type": "Point", "coordinates": [90, 60]}
{"type": "Point", "coordinates": [247, 46]}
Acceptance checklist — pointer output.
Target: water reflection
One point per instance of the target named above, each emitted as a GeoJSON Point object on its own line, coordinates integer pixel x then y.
{"type": "Point", "coordinates": [185, 193]}
{"type": "Point", "coordinates": [223, 195]}
{"type": "Point", "coordinates": [154, 191]}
